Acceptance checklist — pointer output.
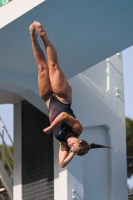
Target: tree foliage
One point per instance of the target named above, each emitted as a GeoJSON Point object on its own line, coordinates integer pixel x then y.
{"type": "Point", "coordinates": [8, 157]}
{"type": "Point", "coordinates": [129, 140]}
{"type": "Point", "coordinates": [10, 161]}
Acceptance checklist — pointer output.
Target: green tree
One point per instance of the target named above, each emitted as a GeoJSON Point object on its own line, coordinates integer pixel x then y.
{"type": "Point", "coordinates": [129, 140]}
{"type": "Point", "coordinates": [8, 157]}
{"type": "Point", "coordinates": [10, 161]}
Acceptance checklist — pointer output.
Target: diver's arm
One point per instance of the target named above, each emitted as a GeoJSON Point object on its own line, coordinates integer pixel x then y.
{"type": "Point", "coordinates": [74, 123]}
{"type": "Point", "coordinates": [60, 118]}
{"type": "Point", "coordinates": [68, 119]}
{"type": "Point", "coordinates": [64, 156]}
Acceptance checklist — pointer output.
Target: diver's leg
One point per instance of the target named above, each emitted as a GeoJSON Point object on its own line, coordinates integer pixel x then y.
{"type": "Point", "coordinates": [43, 71]}
{"type": "Point", "coordinates": [58, 81]}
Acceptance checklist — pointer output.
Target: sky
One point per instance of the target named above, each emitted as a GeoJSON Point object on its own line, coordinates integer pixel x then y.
{"type": "Point", "coordinates": [6, 113]}
{"type": "Point", "coordinates": [128, 81]}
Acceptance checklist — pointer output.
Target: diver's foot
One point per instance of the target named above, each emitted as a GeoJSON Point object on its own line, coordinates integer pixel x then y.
{"type": "Point", "coordinates": [39, 28]}
{"type": "Point", "coordinates": [33, 33]}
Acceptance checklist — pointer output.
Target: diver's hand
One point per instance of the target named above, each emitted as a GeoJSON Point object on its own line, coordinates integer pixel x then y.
{"type": "Point", "coordinates": [47, 130]}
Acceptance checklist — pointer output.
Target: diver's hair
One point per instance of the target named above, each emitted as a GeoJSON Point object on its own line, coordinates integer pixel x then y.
{"type": "Point", "coordinates": [84, 147]}
{"type": "Point", "coordinates": [96, 146]}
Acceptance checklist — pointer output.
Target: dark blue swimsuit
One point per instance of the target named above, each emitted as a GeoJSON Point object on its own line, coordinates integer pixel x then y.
{"type": "Point", "coordinates": [55, 108]}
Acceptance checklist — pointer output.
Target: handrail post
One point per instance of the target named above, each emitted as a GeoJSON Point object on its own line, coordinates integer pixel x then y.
{"type": "Point", "coordinates": [3, 144]}
{"type": "Point", "coordinates": [4, 148]}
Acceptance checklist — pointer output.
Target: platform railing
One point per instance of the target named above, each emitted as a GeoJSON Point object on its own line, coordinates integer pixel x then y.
{"type": "Point", "coordinates": [6, 187]}
{"type": "Point", "coordinates": [4, 146]}
{"type": "Point", "coordinates": [5, 150]}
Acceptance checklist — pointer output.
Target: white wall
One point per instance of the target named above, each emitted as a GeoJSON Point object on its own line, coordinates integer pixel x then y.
{"type": "Point", "coordinates": [97, 174]}
{"type": "Point", "coordinates": [101, 174]}
{"type": "Point", "coordinates": [60, 176]}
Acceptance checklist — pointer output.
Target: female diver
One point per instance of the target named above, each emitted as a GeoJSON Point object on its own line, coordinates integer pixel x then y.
{"type": "Point", "coordinates": [57, 94]}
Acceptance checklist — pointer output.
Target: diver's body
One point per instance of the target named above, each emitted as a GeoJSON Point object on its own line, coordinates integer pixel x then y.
{"type": "Point", "coordinates": [51, 80]}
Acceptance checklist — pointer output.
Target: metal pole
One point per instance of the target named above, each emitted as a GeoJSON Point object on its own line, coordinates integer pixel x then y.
{"type": "Point", "coordinates": [3, 144]}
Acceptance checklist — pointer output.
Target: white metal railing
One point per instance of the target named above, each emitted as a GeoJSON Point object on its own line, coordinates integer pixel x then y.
{"type": "Point", "coordinates": [6, 183]}
{"type": "Point", "coordinates": [4, 147]}
{"type": "Point", "coordinates": [130, 195]}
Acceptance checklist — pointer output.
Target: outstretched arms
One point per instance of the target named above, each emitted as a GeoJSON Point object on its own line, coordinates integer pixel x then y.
{"type": "Point", "coordinates": [68, 119]}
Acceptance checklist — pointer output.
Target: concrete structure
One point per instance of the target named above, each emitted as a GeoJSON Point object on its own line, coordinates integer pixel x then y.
{"type": "Point", "coordinates": [89, 33]}
{"type": "Point", "coordinates": [99, 174]}
{"type": "Point", "coordinates": [102, 172]}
